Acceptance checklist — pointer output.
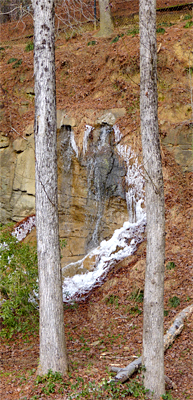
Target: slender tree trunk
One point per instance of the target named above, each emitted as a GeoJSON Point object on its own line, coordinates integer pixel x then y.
{"type": "Point", "coordinates": [106, 22]}
{"type": "Point", "coordinates": [153, 338]}
{"type": "Point", "coordinates": [52, 340]}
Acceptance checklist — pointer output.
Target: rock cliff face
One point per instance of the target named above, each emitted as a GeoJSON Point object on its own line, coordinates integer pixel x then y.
{"type": "Point", "coordinates": [91, 181]}
{"type": "Point", "coordinates": [99, 179]}
{"type": "Point", "coordinates": [17, 179]}
{"type": "Point", "coordinates": [92, 189]}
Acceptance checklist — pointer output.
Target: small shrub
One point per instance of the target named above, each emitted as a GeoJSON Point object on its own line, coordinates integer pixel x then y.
{"type": "Point", "coordinates": [29, 46]}
{"type": "Point", "coordinates": [17, 63]}
{"type": "Point", "coordinates": [187, 16]}
{"type": "Point", "coordinates": [133, 32]}
{"type": "Point", "coordinates": [137, 295]}
{"type": "Point", "coordinates": [166, 24]}
{"type": "Point", "coordinates": [188, 24]}
{"type": "Point", "coordinates": [11, 60]}
{"type": "Point", "coordinates": [160, 30]}
{"type": "Point", "coordinates": [113, 300]}
{"type": "Point", "coordinates": [18, 285]}
{"type": "Point", "coordinates": [91, 43]}
{"type": "Point", "coordinates": [170, 265]}
{"type": "Point", "coordinates": [117, 38]}
{"type": "Point", "coordinates": [167, 396]}
{"type": "Point", "coordinates": [189, 70]}
{"type": "Point", "coordinates": [106, 390]}
{"type": "Point", "coordinates": [63, 243]}
{"type": "Point", "coordinates": [135, 310]}
{"type": "Point", "coordinates": [174, 301]}
{"type": "Point", "coordinates": [49, 380]}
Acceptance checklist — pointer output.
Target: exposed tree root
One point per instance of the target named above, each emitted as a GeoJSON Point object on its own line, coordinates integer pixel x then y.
{"type": "Point", "coordinates": [175, 329]}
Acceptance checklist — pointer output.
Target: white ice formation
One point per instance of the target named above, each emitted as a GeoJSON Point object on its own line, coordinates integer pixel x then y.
{"type": "Point", "coordinates": [124, 241]}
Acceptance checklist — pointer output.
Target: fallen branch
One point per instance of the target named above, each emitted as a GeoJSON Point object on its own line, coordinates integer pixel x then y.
{"type": "Point", "coordinates": [124, 373]}
{"type": "Point", "coordinates": [176, 328]}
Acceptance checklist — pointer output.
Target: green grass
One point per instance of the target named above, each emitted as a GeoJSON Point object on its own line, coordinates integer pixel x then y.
{"type": "Point", "coordinates": [188, 24]}
{"type": "Point", "coordinates": [170, 265]}
{"type": "Point", "coordinates": [137, 295]}
{"type": "Point", "coordinates": [133, 32]}
{"type": "Point", "coordinates": [187, 16]}
{"type": "Point", "coordinates": [160, 30]}
{"type": "Point", "coordinates": [112, 300]}
{"type": "Point", "coordinates": [12, 60]}
{"type": "Point", "coordinates": [105, 390]}
{"type": "Point", "coordinates": [117, 38]}
{"type": "Point", "coordinates": [29, 46]}
{"type": "Point", "coordinates": [174, 301]}
{"type": "Point", "coordinates": [16, 62]}
{"type": "Point", "coordinates": [91, 43]}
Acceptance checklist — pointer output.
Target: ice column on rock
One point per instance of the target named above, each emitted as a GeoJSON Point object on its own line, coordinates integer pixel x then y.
{"type": "Point", "coordinates": [134, 178]}
{"type": "Point", "coordinates": [87, 132]}
{"type": "Point", "coordinates": [73, 143]}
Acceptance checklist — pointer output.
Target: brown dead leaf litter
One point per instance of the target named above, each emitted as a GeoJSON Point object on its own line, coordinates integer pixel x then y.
{"type": "Point", "coordinates": [106, 328]}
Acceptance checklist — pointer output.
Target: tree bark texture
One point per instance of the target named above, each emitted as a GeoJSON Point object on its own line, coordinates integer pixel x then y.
{"type": "Point", "coordinates": [123, 374]}
{"type": "Point", "coordinates": [153, 345]}
{"type": "Point", "coordinates": [52, 339]}
{"type": "Point", "coordinates": [106, 22]}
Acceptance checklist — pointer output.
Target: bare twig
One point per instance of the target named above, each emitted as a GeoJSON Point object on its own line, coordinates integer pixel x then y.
{"type": "Point", "coordinates": [13, 129]}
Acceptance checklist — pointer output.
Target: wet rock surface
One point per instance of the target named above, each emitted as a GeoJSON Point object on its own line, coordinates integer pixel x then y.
{"type": "Point", "coordinates": [92, 192]}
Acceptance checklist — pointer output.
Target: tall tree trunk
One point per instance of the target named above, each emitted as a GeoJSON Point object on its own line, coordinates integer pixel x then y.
{"type": "Point", "coordinates": [106, 22]}
{"type": "Point", "coordinates": [52, 339]}
{"type": "Point", "coordinates": [153, 338]}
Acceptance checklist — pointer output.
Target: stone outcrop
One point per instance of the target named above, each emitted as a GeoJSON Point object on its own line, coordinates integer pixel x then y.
{"type": "Point", "coordinates": [179, 141]}
{"type": "Point", "coordinates": [17, 179]}
{"type": "Point", "coordinates": [91, 180]}
{"type": "Point", "coordinates": [92, 177]}
{"type": "Point", "coordinates": [92, 191]}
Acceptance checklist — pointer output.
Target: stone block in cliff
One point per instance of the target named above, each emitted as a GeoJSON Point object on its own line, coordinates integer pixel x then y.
{"type": "Point", "coordinates": [179, 141]}
{"type": "Point", "coordinates": [4, 141]}
{"type": "Point", "coordinates": [110, 116]}
{"type": "Point", "coordinates": [7, 163]}
{"type": "Point", "coordinates": [22, 205]}
{"type": "Point", "coordinates": [17, 184]}
{"type": "Point", "coordinates": [65, 119]}
{"type": "Point", "coordinates": [24, 179]}
{"type": "Point", "coordinates": [29, 130]}
{"type": "Point", "coordinates": [19, 145]}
